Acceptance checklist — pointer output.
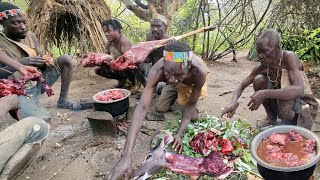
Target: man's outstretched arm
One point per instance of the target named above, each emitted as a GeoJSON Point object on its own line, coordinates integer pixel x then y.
{"type": "Point", "coordinates": [123, 166]}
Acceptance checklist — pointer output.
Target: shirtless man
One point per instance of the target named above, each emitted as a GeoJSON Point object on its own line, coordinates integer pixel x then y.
{"type": "Point", "coordinates": [178, 66]}
{"type": "Point", "coordinates": [278, 101]}
{"type": "Point", "coordinates": [117, 45]}
{"type": "Point", "coordinates": [158, 30]}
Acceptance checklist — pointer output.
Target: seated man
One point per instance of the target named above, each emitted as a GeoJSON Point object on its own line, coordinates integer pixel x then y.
{"type": "Point", "coordinates": [279, 84]}
{"type": "Point", "coordinates": [22, 46]}
{"type": "Point", "coordinates": [20, 142]}
{"type": "Point", "coordinates": [117, 45]}
{"type": "Point", "coordinates": [179, 66]}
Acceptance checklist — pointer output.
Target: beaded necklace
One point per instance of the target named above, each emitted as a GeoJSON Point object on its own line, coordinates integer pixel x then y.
{"type": "Point", "coordinates": [277, 74]}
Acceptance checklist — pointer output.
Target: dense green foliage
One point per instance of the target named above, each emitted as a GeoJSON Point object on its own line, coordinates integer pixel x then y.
{"type": "Point", "coordinates": [305, 43]}
{"type": "Point", "coordinates": [228, 129]}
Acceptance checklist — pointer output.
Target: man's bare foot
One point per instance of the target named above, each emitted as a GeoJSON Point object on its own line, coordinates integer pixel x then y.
{"type": "Point", "coordinates": [266, 122]}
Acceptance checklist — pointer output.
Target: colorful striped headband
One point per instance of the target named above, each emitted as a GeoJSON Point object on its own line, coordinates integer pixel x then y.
{"type": "Point", "coordinates": [11, 12]}
{"type": "Point", "coordinates": [178, 57]}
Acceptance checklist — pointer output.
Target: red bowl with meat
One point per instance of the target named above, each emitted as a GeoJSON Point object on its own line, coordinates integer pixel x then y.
{"type": "Point", "coordinates": [277, 152]}
{"type": "Point", "coordinates": [114, 101]}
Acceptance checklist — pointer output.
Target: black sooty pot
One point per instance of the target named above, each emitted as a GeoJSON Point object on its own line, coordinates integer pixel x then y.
{"type": "Point", "coordinates": [270, 172]}
{"type": "Point", "coordinates": [115, 107]}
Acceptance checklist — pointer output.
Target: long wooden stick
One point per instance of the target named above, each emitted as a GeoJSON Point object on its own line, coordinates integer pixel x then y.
{"type": "Point", "coordinates": [208, 28]}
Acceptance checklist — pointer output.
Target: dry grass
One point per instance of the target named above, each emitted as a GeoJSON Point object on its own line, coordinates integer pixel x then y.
{"type": "Point", "coordinates": [69, 24]}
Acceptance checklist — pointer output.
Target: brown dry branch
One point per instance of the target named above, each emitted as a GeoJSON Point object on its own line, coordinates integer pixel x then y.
{"type": "Point", "coordinates": [69, 24]}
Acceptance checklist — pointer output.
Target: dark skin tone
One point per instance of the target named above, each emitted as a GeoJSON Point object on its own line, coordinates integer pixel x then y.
{"type": "Point", "coordinates": [116, 40]}
{"type": "Point", "coordinates": [16, 29]}
{"type": "Point", "coordinates": [171, 73]}
{"type": "Point", "coordinates": [269, 56]}
{"type": "Point", "coordinates": [157, 32]}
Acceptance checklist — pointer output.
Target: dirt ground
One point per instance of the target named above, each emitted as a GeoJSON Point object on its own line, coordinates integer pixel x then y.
{"type": "Point", "coordinates": [71, 152]}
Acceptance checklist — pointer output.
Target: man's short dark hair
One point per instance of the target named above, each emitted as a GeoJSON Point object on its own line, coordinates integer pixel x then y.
{"type": "Point", "coordinates": [177, 46]}
{"type": "Point", "coordinates": [115, 24]}
{"type": "Point", "coordinates": [7, 6]}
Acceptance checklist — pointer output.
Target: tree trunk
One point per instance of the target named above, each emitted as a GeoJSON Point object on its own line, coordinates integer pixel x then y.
{"type": "Point", "coordinates": [164, 7]}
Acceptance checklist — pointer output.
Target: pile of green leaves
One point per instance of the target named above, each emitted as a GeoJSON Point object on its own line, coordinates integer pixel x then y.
{"type": "Point", "coordinates": [305, 43]}
{"type": "Point", "coordinates": [229, 129]}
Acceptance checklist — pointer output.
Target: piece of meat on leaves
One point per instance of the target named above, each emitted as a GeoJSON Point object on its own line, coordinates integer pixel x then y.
{"type": "Point", "coordinates": [204, 142]}
{"type": "Point", "coordinates": [226, 146]}
{"type": "Point", "coordinates": [213, 165]}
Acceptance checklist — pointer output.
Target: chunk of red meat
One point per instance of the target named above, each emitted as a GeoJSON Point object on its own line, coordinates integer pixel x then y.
{"type": "Point", "coordinates": [16, 86]}
{"type": "Point", "coordinates": [226, 146]}
{"type": "Point", "coordinates": [93, 59]}
{"type": "Point", "coordinates": [278, 138]}
{"type": "Point", "coordinates": [213, 165]}
{"type": "Point", "coordinates": [204, 142]}
{"type": "Point", "coordinates": [309, 146]}
{"type": "Point", "coordinates": [280, 156]}
{"type": "Point", "coordinates": [294, 136]}
{"type": "Point", "coordinates": [273, 148]}
{"type": "Point", "coordinates": [110, 95]}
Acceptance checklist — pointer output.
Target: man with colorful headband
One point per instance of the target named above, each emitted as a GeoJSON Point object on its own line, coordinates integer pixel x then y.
{"type": "Point", "coordinates": [21, 45]}
{"type": "Point", "coordinates": [178, 67]}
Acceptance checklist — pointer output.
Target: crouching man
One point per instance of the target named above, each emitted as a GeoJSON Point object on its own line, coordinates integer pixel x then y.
{"type": "Point", "coordinates": [180, 68]}
{"type": "Point", "coordinates": [280, 86]}
{"type": "Point", "coordinates": [20, 142]}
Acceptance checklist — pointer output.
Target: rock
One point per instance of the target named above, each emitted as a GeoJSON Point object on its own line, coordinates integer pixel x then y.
{"type": "Point", "coordinates": [102, 124]}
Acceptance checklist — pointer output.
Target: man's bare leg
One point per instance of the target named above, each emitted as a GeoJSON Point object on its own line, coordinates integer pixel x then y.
{"type": "Point", "coordinates": [287, 112]}
{"type": "Point", "coordinates": [260, 83]}
{"type": "Point", "coordinates": [65, 63]}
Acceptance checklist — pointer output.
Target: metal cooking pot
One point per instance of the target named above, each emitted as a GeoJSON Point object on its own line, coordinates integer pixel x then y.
{"type": "Point", "coordinates": [270, 172]}
{"type": "Point", "coordinates": [115, 107]}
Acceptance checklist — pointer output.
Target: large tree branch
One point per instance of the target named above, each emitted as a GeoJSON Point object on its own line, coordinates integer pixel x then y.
{"type": "Point", "coordinates": [141, 13]}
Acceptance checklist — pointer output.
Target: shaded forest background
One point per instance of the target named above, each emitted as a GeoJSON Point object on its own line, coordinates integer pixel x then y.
{"type": "Point", "coordinates": [238, 23]}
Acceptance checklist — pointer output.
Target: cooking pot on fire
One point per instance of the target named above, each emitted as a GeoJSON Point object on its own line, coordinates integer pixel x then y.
{"type": "Point", "coordinates": [114, 107]}
{"type": "Point", "coordinates": [270, 172]}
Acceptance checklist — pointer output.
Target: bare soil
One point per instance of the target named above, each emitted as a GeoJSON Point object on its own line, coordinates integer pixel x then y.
{"type": "Point", "coordinates": [71, 152]}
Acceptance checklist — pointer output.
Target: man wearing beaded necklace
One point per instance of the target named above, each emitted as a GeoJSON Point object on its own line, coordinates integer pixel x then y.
{"type": "Point", "coordinates": [279, 85]}
{"type": "Point", "coordinates": [178, 66]}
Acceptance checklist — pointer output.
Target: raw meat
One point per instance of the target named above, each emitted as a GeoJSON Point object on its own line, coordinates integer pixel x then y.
{"type": "Point", "coordinates": [278, 138]}
{"type": "Point", "coordinates": [226, 146]}
{"type": "Point", "coordinates": [211, 165]}
{"type": "Point", "coordinates": [110, 95]}
{"type": "Point", "coordinates": [309, 146]}
{"type": "Point", "coordinates": [135, 55]}
{"type": "Point", "coordinates": [95, 59]}
{"type": "Point", "coordinates": [204, 142]}
{"type": "Point", "coordinates": [294, 136]}
{"type": "Point", "coordinates": [12, 86]}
